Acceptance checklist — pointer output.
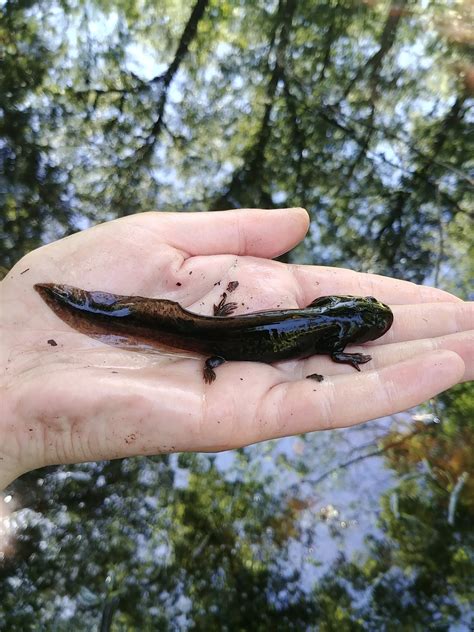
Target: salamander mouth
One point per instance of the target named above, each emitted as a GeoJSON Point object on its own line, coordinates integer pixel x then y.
{"type": "Point", "coordinates": [376, 321]}
{"type": "Point", "coordinates": [384, 320]}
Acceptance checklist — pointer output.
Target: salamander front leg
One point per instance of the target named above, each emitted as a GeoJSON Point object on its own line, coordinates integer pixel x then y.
{"type": "Point", "coordinates": [212, 363]}
{"type": "Point", "coordinates": [354, 359]}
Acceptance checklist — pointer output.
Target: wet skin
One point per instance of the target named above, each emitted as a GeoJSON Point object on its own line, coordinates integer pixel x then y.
{"type": "Point", "coordinates": [326, 326]}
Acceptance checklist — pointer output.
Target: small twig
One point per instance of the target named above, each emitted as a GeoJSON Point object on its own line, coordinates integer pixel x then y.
{"type": "Point", "coordinates": [440, 254]}
{"type": "Point", "coordinates": [453, 499]}
{"type": "Point", "coordinates": [368, 455]}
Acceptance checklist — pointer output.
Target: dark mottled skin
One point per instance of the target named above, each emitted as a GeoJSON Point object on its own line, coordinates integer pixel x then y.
{"type": "Point", "coordinates": [326, 326]}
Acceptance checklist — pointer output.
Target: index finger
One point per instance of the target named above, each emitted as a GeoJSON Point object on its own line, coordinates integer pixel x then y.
{"type": "Point", "coordinates": [317, 281]}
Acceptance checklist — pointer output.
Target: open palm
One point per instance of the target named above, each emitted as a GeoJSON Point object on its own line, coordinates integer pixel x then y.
{"type": "Point", "coordinates": [69, 398]}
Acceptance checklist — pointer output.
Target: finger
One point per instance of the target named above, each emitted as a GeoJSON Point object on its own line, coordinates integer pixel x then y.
{"type": "Point", "coordinates": [385, 355]}
{"type": "Point", "coordinates": [321, 280]}
{"type": "Point", "coordinates": [297, 407]}
{"type": "Point", "coordinates": [257, 232]}
{"type": "Point", "coordinates": [413, 322]}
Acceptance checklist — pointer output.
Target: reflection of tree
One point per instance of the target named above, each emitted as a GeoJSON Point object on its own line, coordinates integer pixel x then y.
{"type": "Point", "coordinates": [33, 187]}
{"type": "Point", "coordinates": [123, 544]}
{"type": "Point", "coordinates": [246, 187]}
{"type": "Point", "coordinates": [249, 105]}
{"type": "Point", "coordinates": [165, 79]}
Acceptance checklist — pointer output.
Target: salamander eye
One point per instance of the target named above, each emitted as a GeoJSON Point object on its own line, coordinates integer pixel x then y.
{"type": "Point", "coordinates": [371, 299]}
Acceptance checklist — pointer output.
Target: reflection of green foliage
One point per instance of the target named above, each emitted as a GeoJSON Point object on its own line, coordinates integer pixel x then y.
{"type": "Point", "coordinates": [419, 574]}
{"type": "Point", "coordinates": [32, 185]}
{"type": "Point", "coordinates": [458, 408]}
{"type": "Point", "coordinates": [215, 551]}
{"type": "Point", "coordinates": [242, 105]}
{"type": "Point", "coordinates": [231, 546]}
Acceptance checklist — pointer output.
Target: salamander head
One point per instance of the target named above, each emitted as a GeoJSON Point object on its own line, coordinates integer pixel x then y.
{"type": "Point", "coordinates": [374, 318]}
{"type": "Point", "coordinates": [369, 318]}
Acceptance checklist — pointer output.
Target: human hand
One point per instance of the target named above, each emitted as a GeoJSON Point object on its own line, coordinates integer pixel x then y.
{"type": "Point", "coordinates": [82, 400]}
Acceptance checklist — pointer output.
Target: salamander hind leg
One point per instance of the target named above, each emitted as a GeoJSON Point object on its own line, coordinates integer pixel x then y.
{"type": "Point", "coordinates": [210, 364]}
{"type": "Point", "coordinates": [223, 308]}
{"type": "Point", "coordinates": [354, 359]}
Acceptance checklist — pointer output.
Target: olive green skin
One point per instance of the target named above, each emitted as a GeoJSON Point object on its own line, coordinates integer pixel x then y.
{"type": "Point", "coordinates": [326, 326]}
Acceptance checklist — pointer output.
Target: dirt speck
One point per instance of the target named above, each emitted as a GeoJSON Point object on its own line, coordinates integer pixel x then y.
{"type": "Point", "coordinates": [52, 342]}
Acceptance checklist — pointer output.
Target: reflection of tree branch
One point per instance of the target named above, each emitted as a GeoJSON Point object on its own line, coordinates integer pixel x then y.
{"type": "Point", "coordinates": [363, 149]}
{"type": "Point", "coordinates": [368, 455]}
{"type": "Point", "coordinates": [387, 40]}
{"type": "Point", "coordinates": [201, 545]}
{"type": "Point", "coordinates": [251, 170]}
{"type": "Point", "coordinates": [98, 92]}
{"type": "Point", "coordinates": [108, 612]}
{"type": "Point", "coordinates": [453, 499]}
{"type": "Point", "coordinates": [453, 118]}
{"type": "Point", "coordinates": [330, 115]}
{"type": "Point", "coordinates": [328, 45]}
{"type": "Point", "coordinates": [298, 137]}
{"type": "Point", "coordinates": [396, 212]}
{"type": "Point", "coordinates": [440, 253]}
{"type": "Point", "coordinates": [167, 77]}
{"type": "Point", "coordinates": [388, 133]}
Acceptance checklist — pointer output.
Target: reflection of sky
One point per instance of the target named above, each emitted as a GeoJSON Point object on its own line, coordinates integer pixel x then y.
{"type": "Point", "coordinates": [343, 509]}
